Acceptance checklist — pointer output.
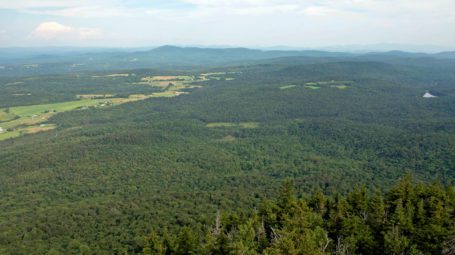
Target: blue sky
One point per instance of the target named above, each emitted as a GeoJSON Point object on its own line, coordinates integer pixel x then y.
{"type": "Point", "coordinates": [250, 23]}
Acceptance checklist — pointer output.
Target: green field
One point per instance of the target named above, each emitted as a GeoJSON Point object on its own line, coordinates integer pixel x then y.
{"type": "Point", "coordinates": [27, 111]}
{"type": "Point", "coordinates": [228, 139]}
{"type": "Point", "coordinates": [331, 84]}
{"type": "Point", "coordinates": [233, 125]}
{"type": "Point", "coordinates": [221, 124]}
{"type": "Point", "coordinates": [26, 119]}
{"type": "Point", "coordinates": [340, 86]}
{"type": "Point", "coordinates": [288, 87]}
{"type": "Point", "coordinates": [167, 94]}
{"type": "Point", "coordinates": [22, 120]}
{"type": "Point", "coordinates": [8, 135]}
{"type": "Point", "coordinates": [114, 75]}
{"type": "Point", "coordinates": [26, 130]}
{"type": "Point", "coordinates": [6, 116]}
{"type": "Point", "coordinates": [312, 87]}
{"type": "Point", "coordinates": [164, 82]}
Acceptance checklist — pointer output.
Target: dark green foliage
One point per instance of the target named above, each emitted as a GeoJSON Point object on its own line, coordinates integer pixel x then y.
{"type": "Point", "coordinates": [302, 228]}
{"type": "Point", "coordinates": [148, 177]}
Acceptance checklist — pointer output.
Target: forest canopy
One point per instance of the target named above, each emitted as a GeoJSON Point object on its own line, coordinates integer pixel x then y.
{"type": "Point", "coordinates": [195, 160]}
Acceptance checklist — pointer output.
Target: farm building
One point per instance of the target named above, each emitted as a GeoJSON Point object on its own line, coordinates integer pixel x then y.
{"type": "Point", "coordinates": [428, 95]}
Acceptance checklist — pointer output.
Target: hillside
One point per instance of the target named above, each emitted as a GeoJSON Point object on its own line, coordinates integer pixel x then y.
{"type": "Point", "coordinates": [108, 176]}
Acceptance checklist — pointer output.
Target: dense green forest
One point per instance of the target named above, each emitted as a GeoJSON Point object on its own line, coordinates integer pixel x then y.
{"type": "Point", "coordinates": [408, 219]}
{"type": "Point", "coordinates": [150, 176]}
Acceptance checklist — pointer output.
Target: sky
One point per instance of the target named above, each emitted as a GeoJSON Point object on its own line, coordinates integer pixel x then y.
{"type": "Point", "coordinates": [247, 23]}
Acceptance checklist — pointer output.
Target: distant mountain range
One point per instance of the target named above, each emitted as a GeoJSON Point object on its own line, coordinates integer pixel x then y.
{"type": "Point", "coordinates": [186, 54]}
{"type": "Point", "coordinates": [52, 60]}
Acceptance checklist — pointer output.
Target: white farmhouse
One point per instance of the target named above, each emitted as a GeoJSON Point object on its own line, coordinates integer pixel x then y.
{"type": "Point", "coordinates": [428, 95]}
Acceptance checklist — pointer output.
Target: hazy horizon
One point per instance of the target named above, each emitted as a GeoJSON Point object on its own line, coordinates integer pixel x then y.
{"type": "Point", "coordinates": [354, 49]}
{"type": "Point", "coordinates": [344, 24]}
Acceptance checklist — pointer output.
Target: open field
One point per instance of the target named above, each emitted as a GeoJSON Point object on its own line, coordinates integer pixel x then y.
{"type": "Point", "coordinates": [340, 86]}
{"type": "Point", "coordinates": [216, 76]}
{"type": "Point", "coordinates": [221, 125]}
{"type": "Point", "coordinates": [288, 87]}
{"type": "Point", "coordinates": [26, 130]}
{"type": "Point", "coordinates": [169, 78]}
{"type": "Point", "coordinates": [19, 120]}
{"type": "Point", "coordinates": [228, 139]}
{"type": "Point", "coordinates": [332, 84]}
{"type": "Point", "coordinates": [233, 125]}
{"type": "Point", "coordinates": [168, 94]}
{"type": "Point", "coordinates": [179, 82]}
{"type": "Point", "coordinates": [312, 87]}
{"type": "Point", "coordinates": [320, 84]}
{"type": "Point", "coordinates": [29, 111]}
{"type": "Point", "coordinates": [24, 119]}
{"type": "Point", "coordinates": [112, 75]}
{"type": "Point", "coordinates": [6, 116]}
{"type": "Point", "coordinates": [94, 96]}
{"type": "Point", "coordinates": [27, 119]}
{"type": "Point", "coordinates": [168, 82]}
{"type": "Point", "coordinates": [15, 83]}
{"type": "Point", "coordinates": [40, 128]}
{"type": "Point", "coordinates": [8, 135]}
{"type": "Point", "coordinates": [213, 74]}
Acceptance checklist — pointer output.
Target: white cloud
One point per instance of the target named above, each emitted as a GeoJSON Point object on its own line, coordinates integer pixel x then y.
{"type": "Point", "coordinates": [55, 31]}
{"type": "Point", "coordinates": [51, 30]}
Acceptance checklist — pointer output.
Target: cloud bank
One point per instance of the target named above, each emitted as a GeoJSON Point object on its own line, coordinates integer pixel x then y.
{"type": "Point", "coordinates": [234, 22]}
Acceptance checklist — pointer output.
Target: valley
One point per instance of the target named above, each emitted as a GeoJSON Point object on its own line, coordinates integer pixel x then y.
{"type": "Point", "coordinates": [128, 161]}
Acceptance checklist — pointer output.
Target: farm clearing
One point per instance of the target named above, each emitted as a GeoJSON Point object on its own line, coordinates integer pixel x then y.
{"type": "Point", "coordinates": [244, 125]}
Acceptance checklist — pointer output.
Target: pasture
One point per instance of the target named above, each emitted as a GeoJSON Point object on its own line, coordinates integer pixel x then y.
{"type": "Point", "coordinates": [233, 125]}
{"type": "Point", "coordinates": [287, 87]}
{"type": "Point", "coordinates": [114, 75]}
{"type": "Point", "coordinates": [26, 130]}
{"type": "Point", "coordinates": [312, 87]}
{"type": "Point", "coordinates": [6, 115]}
{"type": "Point", "coordinates": [30, 119]}
{"type": "Point", "coordinates": [340, 86]}
{"type": "Point", "coordinates": [168, 94]}
{"type": "Point", "coordinates": [331, 84]}
{"type": "Point", "coordinates": [8, 135]}
{"type": "Point", "coordinates": [31, 110]}
{"type": "Point", "coordinates": [94, 96]}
